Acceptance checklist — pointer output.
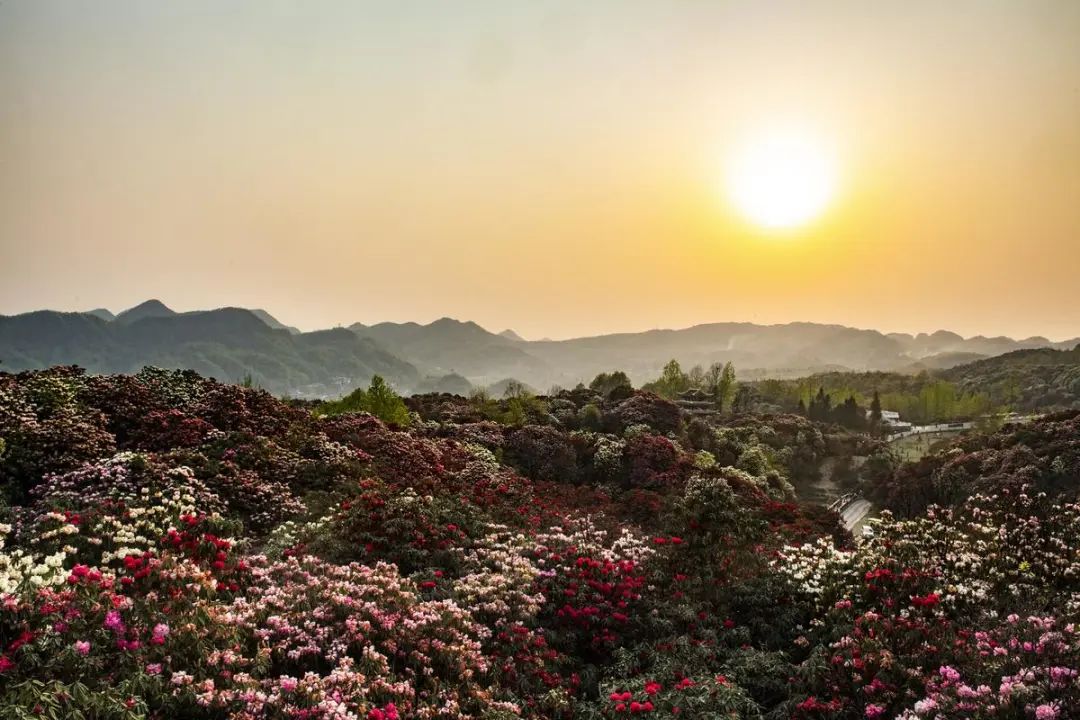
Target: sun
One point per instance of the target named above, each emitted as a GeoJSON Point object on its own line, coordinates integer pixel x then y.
{"type": "Point", "coordinates": [781, 179]}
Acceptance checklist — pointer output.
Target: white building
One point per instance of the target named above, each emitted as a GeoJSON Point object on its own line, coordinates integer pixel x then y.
{"type": "Point", "coordinates": [891, 419]}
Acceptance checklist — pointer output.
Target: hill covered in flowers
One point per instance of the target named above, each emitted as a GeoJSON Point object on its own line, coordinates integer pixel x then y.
{"type": "Point", "coordinates": [176, 547]}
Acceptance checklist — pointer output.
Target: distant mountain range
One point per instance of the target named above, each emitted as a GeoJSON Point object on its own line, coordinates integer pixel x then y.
{"type": "Point", "coordinates": [229, 344]}
{"type": "Point", "coordinates": [452, 356]}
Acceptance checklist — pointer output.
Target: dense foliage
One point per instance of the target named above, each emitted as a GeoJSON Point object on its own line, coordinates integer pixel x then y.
{"type": "Point", "coordinates": [920, 399]}
{"type": "Point", "coordinates": [1036, 380]}
{"type": "Point", "coordinates": [1025, 380]}
{"type": "Point", "coordinates": [1044, 456]}
{"type": "Point", "coordinates": [379, 400]}
{"type": "Point", "coordinates": [175, 547]}
{"type": "Point", "coordinates": [229, 344]}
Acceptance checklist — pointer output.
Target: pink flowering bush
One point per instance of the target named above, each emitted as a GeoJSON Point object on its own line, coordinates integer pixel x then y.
{"type": "Point", "coordinates": [354, 624]}
{"type": "Point", "coordinates": [171, 547]}
{"type": "Point", "coordinates": [948, 613]}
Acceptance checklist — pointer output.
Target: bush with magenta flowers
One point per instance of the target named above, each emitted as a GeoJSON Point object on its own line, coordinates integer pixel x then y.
{"type": "Point", "coordinates": [176, 547]}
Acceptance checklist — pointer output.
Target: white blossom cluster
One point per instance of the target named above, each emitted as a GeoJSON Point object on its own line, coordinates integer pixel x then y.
{"type": "Point", "coordinates": [25, 573]}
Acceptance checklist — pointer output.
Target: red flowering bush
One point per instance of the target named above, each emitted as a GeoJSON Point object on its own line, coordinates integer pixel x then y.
{"type": "Point", "coordinates": [165, 429]}
{"type": "Point", "coordinates": [543, 453]}
{"type": "Point", "coordinates": [242, 558]}
{"type": "Point", "coordinates": [651, 462]}
{"type": "Point", "coordinates": [645, 408]}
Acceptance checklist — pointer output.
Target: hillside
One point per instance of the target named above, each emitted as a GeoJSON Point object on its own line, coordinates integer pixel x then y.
{"type": "Point", "coordinates": [148, 309]}
{"type": "Point", "coordinates": [1043, 457]}
{"type": "Point", "coordinates": [102, 313]}
{"type": "Point", "coordinates": [230, 344]}
{"type": "Point", "coordinates": [451, 346]}
{"type": "Point", "coordinates": [452, 384]}
{"type": "Point", "coordinates": [511, 335]}
{"type": "Point", "coordinates": [1025, 380]}
{"type": "Point", "coordinates": [156, 308]}
{"type": "Point", "coordinates": [179, 548]}
{"type": "Point", "coordinates": [273, 321]}
{"type": "Point", "coordinates": [1040, 380]}
{"type": "Point", "coordinates": [790, 350]}
{"type": "Point", "coordinates": [407, 351]}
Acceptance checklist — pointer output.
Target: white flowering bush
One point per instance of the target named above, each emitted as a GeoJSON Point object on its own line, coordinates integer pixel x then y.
{"type": "Point", "coordinates": [967, 611]}
{"type": "Point", "coordinates": [23, 573]}
{"type": "Point", "coordinates": [241, 558]}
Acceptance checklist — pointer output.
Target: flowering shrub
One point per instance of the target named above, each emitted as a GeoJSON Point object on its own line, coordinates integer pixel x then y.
{"type": "Point", "coordinates": [948, 613]}
{"type": "Point", "coordinates": [368, 625]}
{"type": "Point", "coordinates": [645, 408]}
{"type": "Point", "coordinates": [1043, 455]}
{"type": "Point", "coordinates": [543, 453]}
{"type": "Point", "coordinates": [45, 430]}
{"type": "Point", "coordinates": [242, 558]}
{"type": "Point", "coordinates": [651, 461]}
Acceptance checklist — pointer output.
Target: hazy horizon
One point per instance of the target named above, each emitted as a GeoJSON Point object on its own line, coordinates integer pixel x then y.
{"type": "Point", "coordinates": [551, 336]}
{"type": "Point", "coordinates": [554, 168]}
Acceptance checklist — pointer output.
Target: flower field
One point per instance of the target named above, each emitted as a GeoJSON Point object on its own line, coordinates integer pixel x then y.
{"type": "Point", "coordinates": [175, 547]}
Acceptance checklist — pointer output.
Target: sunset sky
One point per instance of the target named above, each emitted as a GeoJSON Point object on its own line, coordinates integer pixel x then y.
{"type": "Point", "coordinates": [554, 167]}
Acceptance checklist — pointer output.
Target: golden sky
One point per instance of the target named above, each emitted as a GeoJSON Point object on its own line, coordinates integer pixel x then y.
{"type": "Point", "coordinates": [555, 167]}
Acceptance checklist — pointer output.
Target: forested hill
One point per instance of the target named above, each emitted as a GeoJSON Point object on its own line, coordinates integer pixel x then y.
{"type": "Point", "coordinates": [1037, 380]}
{"type": "Point", "coordinates": [233, 343]}
{"type": "Point", "coordinates": [230, 344]}
{"type": "Point", "coordinates": [1043, 456]}
{"type": "Point", "coordinates": [1025, 380]}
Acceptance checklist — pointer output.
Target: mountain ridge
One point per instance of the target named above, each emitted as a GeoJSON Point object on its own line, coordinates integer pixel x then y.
{"type": "Point", "coordinates": [227, 343]}
{"type": "Point", "coordinates": [235, 342]}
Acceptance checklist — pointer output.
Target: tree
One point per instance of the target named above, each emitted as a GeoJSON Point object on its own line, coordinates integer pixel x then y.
{"type": "Point", "coordinates": [848, 414]}
{"type": "Point", "coordinates": [672, 381]}
{"type": "Point", "coordinates": [386, 404]}
{"type": "Point", "coordinates": [820, 406]}
{"type": "Point", "coordinates": [875, 413]}
{"type": "Point", "coordinates": [744, 399]}
{"type": "Point", "coordinates": [726, 387]}
{"type": "Point", "coordinates": [713, 375]}
{"type": "Point", "coordinates": [522, 405]}
{"type": "Point", "coordinates": [590, 417]}
{"type": "Point", "coordinates": [515, 389]}
{"type": "Point", "coordinates": [379, 399]}
{"type": "Point", "coordinates": [608, 384]}
{"type": "Point", "coordinates": [720, 382]}
{"type": "Point", "coordinates": [481, 401]}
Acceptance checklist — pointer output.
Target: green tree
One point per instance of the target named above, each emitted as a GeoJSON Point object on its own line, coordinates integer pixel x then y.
{"type": "Point", "coordinates": [726, 387]}
{"type": "Point", "coordinates": [608, 384]}
{"type": "Point", "coordinates": [485, 405]}
{"type": "Point", "coordinates": [744, 400]}
{"type": "Point", "coordinates": [590, 417]}
{"type": "Point", "coordinates": [386, 404]}
{"type": "Point", "coordinates": [875, 413]}
{"type": "Point", "coordinates": [713, 375]}
{"type": "Point", "coordinates": [522, 406]}
{"type": "Point", "coordinates": [515, 389]}
{"type": "Point", "coordinates": [672, 381]}
{"type": "Point", "coordinates": [379, 400]}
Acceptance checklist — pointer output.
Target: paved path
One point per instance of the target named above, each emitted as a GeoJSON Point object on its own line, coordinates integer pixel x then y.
{"type": "Point", "coordinates": [855, 512]}
{"type": "Point", "coordinates": [929, 429]}
{"type": "Point", "coordinates": [958, 426]}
